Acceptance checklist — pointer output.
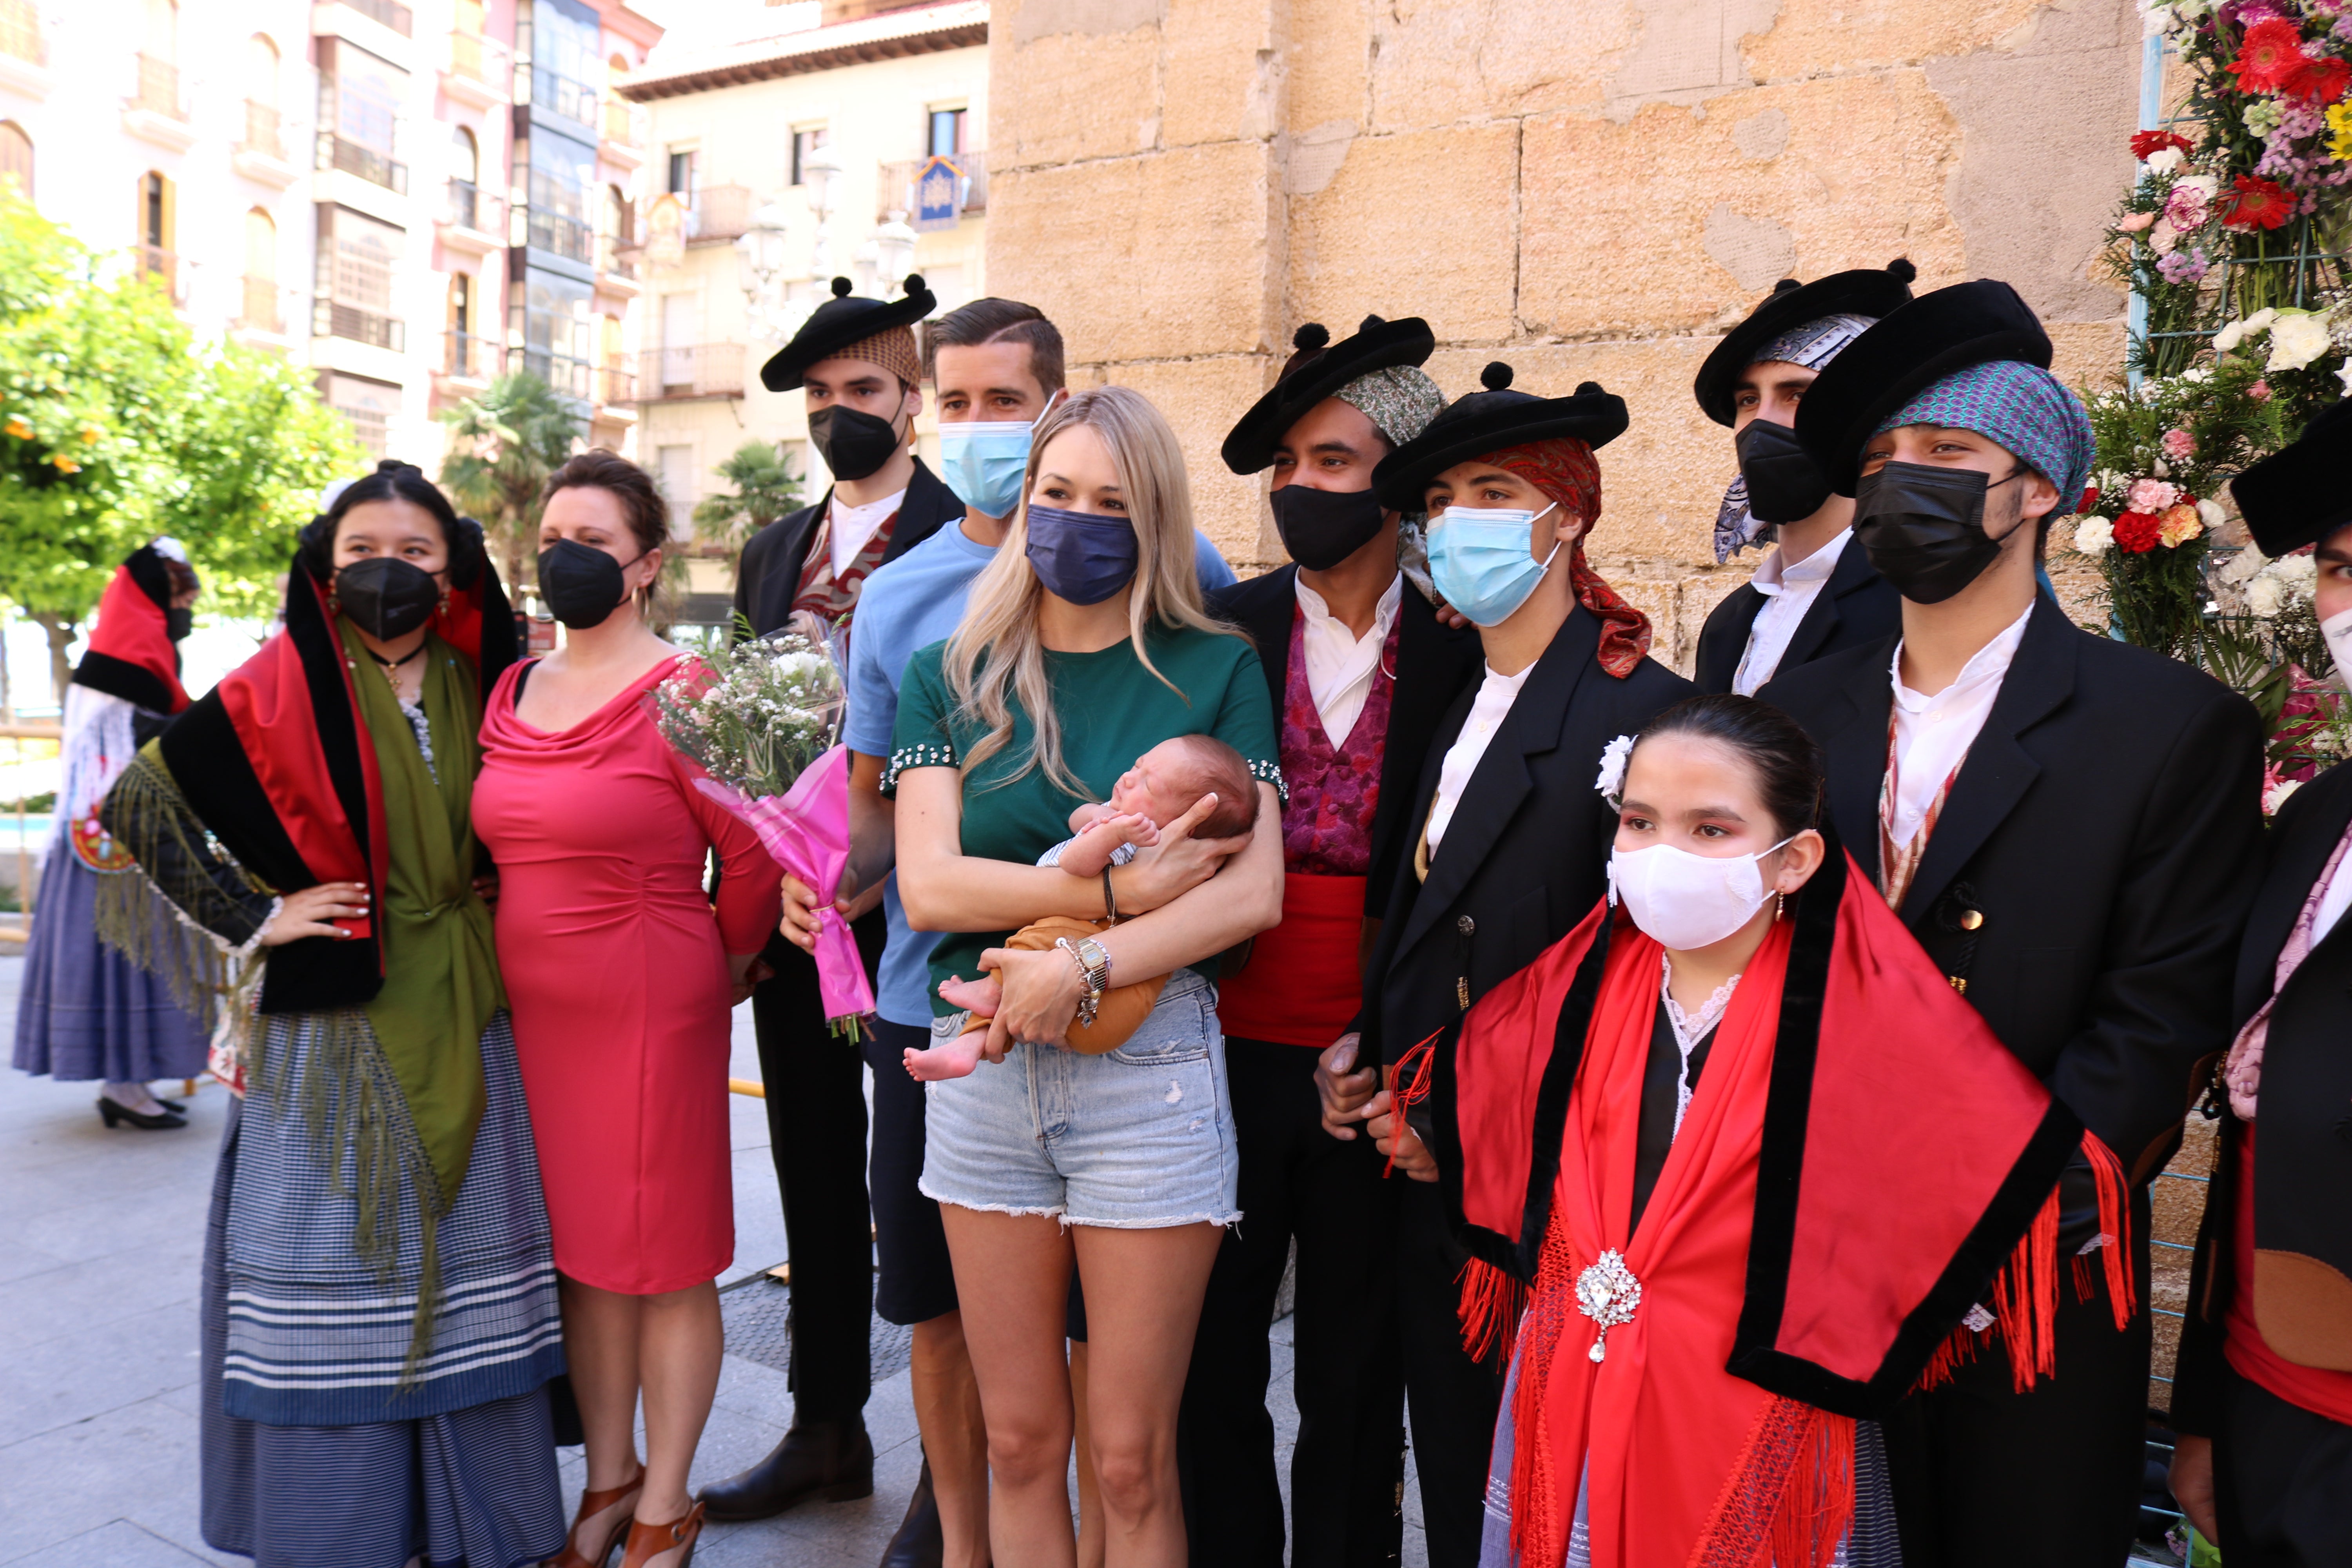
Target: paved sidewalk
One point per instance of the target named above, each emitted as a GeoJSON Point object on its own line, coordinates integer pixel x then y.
{"type": "Point", "coordinates": [100, 1239]}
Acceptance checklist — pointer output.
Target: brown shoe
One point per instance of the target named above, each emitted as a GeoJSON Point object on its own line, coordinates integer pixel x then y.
{"type": "Point", "coordinates": [606, 1517]}
{"type": "Point", "coordinates": [668, 1545]}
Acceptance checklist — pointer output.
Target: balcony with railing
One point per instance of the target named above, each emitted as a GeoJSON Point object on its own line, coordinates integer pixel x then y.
{"type": "Point", "coordinates": [473, 220]}
{"type": "Point", "coordinates": [20, 33]}
{"type": "Point", "coordinates": [260, 312]}
{"type": "Point", "coordinates": [478, 71]}
{"type": "Point", "coordinates": [565, 237]}
{"type": "Point", "coordinates": [153, 111]}
{"type": "Point", "coordinates": [261, 131]}
{"type": "Point", "coordinates": [568, 377]}
{"type": "Point", "coordinates": [895, 186]}
{"type": "Point", "coordinates": [718, 215]}
{"type": "Point", "coordinates": [355, 324]}
{"type": "Point", "coordinates": [161, 267]}
{"type": "Point", "coordinates": [395, 16]}
{"type": "Point", "coordinates": [470, 357]}
{"type": "Point", "coordinates": [616, 384]}
{"type": "Point", "coordinates": [559, 94]}
{"type": "Point", "coordinates": [694, 370]}
{"type": "Point", "coordinates": [353, 158]}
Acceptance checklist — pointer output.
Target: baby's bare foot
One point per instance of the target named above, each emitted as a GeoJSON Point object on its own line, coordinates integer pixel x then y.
{"type": "Point", "coordinates": [955, 1059]}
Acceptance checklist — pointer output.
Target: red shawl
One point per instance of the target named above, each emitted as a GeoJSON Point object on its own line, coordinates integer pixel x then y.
{"type": "Point", "coordinates": [1860, 1156]}
{"type": "Point", "coordinates": [130, 652]}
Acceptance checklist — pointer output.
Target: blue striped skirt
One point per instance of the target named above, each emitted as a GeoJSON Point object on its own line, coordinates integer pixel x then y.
{"type": "Point", "coordinates": [85, 1011]}
{"type": "Point", "coordinates": [315, 1455]}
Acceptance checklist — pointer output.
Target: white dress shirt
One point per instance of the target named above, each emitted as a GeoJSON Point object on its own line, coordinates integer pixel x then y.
{"type": "Point", "coordinates": [1789, 592]}
{"type": "Point", "coordinates": [1339, 664]}
{"type": "Point", "coordinates": [1487, 710]}
{"type": "Point", "coordinates": [1933, 734]}
{"type": "Point", "coordinates": [854, 525]}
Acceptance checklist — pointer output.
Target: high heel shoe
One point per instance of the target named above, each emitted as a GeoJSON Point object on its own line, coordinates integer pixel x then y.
{"type": "Point", "coordinates": [110, 1113]}
{"type": "Point", "coordinates": [591, 1505]}
{"type": "Point", "coordinates": [668, 1545]}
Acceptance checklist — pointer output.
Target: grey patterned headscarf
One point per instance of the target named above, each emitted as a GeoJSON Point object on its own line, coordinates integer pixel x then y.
{"type": "Point", "coordinates": [1400, 401]}
{"type": "Point", "coordinates": [1812, 345]}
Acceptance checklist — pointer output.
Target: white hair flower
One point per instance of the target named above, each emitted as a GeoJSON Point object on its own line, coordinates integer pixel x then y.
{"type": "Point", "coordinates": [1611, 782]}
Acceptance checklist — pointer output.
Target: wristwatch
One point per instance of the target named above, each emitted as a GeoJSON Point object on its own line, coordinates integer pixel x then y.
{"type": "Point", "coordinates": [1094, 974]}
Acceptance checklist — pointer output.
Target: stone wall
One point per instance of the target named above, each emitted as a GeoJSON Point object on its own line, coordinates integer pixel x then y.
{"type": "Point", "coordinates": [1591, 189]}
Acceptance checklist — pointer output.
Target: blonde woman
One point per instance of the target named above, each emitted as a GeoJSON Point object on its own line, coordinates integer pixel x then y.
{"type": "Point", "coordinates": [1085, 645]}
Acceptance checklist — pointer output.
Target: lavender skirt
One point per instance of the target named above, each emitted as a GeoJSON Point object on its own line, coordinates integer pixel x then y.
{"type": "Point", "coordinates": [85, 1011]}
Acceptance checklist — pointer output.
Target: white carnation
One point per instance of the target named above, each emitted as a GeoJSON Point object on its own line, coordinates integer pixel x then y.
{"type": "Point", "coordinates": [2263, 597]}
{"type": "Point", "coordinates": [2296, 338]}
{"type": "Point", "coordinates": [2094, 536]}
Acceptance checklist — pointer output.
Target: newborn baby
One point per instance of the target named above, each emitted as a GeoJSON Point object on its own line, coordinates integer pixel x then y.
{"type": "Point", "coordinates": [1165, 783]}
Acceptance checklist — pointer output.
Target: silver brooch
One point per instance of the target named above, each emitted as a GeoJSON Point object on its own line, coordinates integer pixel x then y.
{"type": "Point", "coordinates": [1607, 1293]}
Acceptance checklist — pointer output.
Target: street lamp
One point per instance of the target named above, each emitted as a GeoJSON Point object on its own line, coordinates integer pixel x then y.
{"type": "Point", "coordinates": [759, 267]}
{"type": "Point", "coordinates": [817, 174]}
{"type": "Point", "coordinates": [895, 241]}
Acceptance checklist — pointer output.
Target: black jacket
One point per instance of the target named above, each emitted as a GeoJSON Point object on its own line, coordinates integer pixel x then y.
{"type": "Point", "coordinates": [1855, 606]}
{"type": "Point", "coordinates": [767, 577]}
{"type": "Point", "coordinates": [1526, 855]}
{"type": "Point", "coordinates": [2303, 1161]}
{"type": "Point", "coordinates": [1433, 663]}
{"type": "Point", "coordinates": [2090, 874]}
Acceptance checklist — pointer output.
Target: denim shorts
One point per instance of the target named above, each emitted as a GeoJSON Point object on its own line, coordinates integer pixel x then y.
{"type": "Point", "coordinates": [1136, 1138]}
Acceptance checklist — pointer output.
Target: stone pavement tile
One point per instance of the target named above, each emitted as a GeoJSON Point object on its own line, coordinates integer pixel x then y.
{"type": "Point", "coordinates": [74, 1297]}
{"type": "Point", "coordinates": [121, 1544]}
{"type": "Point", "coordinates": [860, 1529]}
{"type": "Point", "coordinates": [138, 1462]}
{"type": "Point", "coordinates": [96, 1370]}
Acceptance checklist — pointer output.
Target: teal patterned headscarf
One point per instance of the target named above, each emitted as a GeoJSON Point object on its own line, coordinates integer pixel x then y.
{"type": "Point", "coordinates": [2023, 407]}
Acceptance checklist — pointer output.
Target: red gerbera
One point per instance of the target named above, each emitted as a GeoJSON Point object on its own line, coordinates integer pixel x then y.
{"type": "Point", "coordinates": [2145, 143]}
{"type": "Point", "coordinates": [2090, 500]}
{"type": "Point", "coordinates": [2272, 53]}
{"type": "Point", "coordinates": [2138, 531]}
{"type": "Point", "coordinates": [2321, 81]}
{"type": "Point", "coordinates": [2253, 203]}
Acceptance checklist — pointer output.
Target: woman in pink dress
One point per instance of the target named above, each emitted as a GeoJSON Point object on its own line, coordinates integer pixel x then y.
{"type": "Point", "coordinates": [621, 976]}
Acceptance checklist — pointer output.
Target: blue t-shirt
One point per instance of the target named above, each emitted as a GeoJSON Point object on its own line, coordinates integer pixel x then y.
{"type": "Point", "coordinates": [912, 603]}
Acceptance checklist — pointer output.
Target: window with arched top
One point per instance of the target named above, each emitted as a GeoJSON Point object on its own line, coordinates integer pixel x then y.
{"type": "Point", "coordinates": [261, 129]}
{"type": "Point", "coordinates": [465, 156]}
{"type": "Point", "coordinates": [17, 158]}
{"type": "Point", "coordinates": [261, 272]}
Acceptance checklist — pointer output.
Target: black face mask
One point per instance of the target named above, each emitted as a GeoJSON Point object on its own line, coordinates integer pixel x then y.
{"type": "Point", "coordinates": [852, 444]}
{"type": "Point", "coordinates": [178, 622]}
{"type": "Point", "coordinates": [386, 597]}
{"type": "Point", "coordinates": [1924, 528]}
{"type": "Point", "coordinates": [1784, 483]}
{"type": "Point", "coordinates": [581, 585]}
{"type": "Point", "coordinates": [1322, 528]}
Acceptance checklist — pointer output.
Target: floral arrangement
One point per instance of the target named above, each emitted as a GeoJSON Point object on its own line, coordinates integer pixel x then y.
{"type": "Point", "coordinates": [755, 714]}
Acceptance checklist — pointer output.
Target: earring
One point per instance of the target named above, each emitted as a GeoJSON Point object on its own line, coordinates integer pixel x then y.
{"type": "Point", "coordinates": [1780, 904]}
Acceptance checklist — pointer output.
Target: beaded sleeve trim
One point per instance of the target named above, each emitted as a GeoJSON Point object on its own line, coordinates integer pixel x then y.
{"type": "Point", "coordinates": [928, 754]}
{"type": "Point", "coordinates": [1271, 773]}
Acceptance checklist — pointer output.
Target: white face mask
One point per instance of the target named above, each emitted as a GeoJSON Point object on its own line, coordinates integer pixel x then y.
{"type": "Point", "coordinates": [1687, 900]}
{"type": "Point", "coordinates": [2337, 629]}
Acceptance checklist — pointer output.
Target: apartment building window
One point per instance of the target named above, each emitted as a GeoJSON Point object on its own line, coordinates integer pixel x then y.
{"type": "Point", "coordinates": [17, 157]}
{"type": "Point", "coordinates": [466, 55]}
{"type": "Point", "coordinates": [946, 133]}
{"type": "Point", "coordinates": [465, 176]}
{"type": "Point", "coordinates": [260, 313]}
{"type": "Point", "coordinates": [558, 331]}
{"type": "Point", "coordinates": [471, 354]}
{"type": "Point", "coordinates": [158, 202]}
{"type": "Point", "coordinates": [683, 171]}
{"type": "Point", "coordinates": [561, 39]}
{"type": "Point", "coordinates": [358, 103]}
{"type": "Point", "coordinates": [562, 176]}
{"type": "Point", "coordinates": [370, 406]}
{"type": "Point", "coordinates": [804, 143]}
{"type": "Point", "coordinates": [358, 260]}
{"type": "Point", "coordinates": [20, 32]}
{"type": "Point", "coordinates": [159, 60]}
{"type": "Point", "coordinates": [261, 126]}
{"type": "Point", "coordinates": [673, 475]}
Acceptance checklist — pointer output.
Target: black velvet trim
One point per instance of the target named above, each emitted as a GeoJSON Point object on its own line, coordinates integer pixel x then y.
{"type": "Point", "coordinates": [332, 709]}
{"type": "Point", "coordinates": [133, 683]}
{"type": "Point", "coordinates": [1516, 1256]}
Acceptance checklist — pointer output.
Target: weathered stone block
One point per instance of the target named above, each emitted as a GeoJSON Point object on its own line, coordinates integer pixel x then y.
{"type": "Point", "coordinates": [1219, 73]}
{"type": "Point", "coordinates": [1810, 37]}
{"type": "Point", "coordinates": [1441, 62]}
{"type": "Point", "coordinates": [1411, 225]}
{"type": "Point", "coordinates": [1156, 257]}
{"type": "Point", "coordinates": [1670, 222]}
{"type": "Point", "coordinates": [1201, 398]}
{"type": "Point", "coordinates": [1327, 63]}
{"type": "Point", "coordinates": [1059, 96]}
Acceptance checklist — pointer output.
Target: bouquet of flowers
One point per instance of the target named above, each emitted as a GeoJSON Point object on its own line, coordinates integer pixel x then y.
{"type": "Point", "coordinates": [760, 719]}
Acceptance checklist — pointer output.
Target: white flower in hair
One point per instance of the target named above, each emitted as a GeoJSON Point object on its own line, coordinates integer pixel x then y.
{"type": "Point", "coordinates": [1611, 782]}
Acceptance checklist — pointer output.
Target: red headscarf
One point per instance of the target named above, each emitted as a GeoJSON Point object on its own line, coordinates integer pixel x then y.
{"type": "Point", "coordinates": [1563, 469]}
{"type": "Point", "coordinates": [130, 652]}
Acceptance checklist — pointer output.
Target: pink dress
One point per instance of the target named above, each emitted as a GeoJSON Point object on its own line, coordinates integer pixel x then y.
{"type": "Point", "coordinates": [616, 978]}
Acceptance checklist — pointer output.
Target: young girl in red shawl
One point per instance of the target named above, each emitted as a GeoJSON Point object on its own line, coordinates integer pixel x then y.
{"type": "Point", "coordinates": [1702, 1150]}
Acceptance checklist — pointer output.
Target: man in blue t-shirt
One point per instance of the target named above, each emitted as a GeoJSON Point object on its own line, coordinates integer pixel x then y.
{"type": "Point", "coordinates": [997, 366]}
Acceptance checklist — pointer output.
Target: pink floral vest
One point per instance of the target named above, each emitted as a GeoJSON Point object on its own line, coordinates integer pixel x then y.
{"type": "Point", "coordinates": [1327, 828]}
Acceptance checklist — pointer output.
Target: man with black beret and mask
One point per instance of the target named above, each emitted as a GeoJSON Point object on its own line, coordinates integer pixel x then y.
{"type": "Point", "coordinates": [2071, 827]}
{"type": "Point", "coordinates": [1811, 593]}
{"type": "Point", "coordinates": [2262, 1399]}
{"type": "Point", "coordinates": [1361, 670]}
{"type": "Point", "coordinates": [855, 361]}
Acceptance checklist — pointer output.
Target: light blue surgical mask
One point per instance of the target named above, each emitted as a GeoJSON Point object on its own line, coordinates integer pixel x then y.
{"type": "Point", "coordinates": [1481, 560]}
{"type": "Point", "coordinates": [983, 461]}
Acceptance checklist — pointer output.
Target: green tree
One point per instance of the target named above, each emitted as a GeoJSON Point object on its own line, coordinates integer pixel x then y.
{"type": "Point", "coordinates": [115, 426]}
{"type": "Point", "coordinates": [765, 489]}
{"type": "Point", "coordinates": [504, 444]}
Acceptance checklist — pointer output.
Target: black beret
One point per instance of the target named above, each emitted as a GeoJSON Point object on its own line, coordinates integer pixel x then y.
{"type": "Point", "coordinates": [1872, 291]}
{"type": "Point", "coordinates": [1488, 421]}
{"type": "Point", "coordinates": [1377, 345]}
{"type": "Point", "coordinates": [844, 319]}
{"type": "Point", "coordinates": [2301, 493]}
{"type": "Point", "coordinates": [1906, 352]}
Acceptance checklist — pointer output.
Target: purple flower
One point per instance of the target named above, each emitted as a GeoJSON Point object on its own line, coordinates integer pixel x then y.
{"type": "Point", "coordinates": [2246, 12]}
{"type": "Point", "coordinates": [2183, 265]}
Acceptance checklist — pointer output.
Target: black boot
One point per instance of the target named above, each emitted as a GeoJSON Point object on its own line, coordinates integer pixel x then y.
{"type": "Point", "coordinates": [919, 1544]}
{"type": "Point", "coordinates": [830, 1460]}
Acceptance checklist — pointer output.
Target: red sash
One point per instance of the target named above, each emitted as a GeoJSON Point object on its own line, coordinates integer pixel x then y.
{"type": "Point", "coordinates": [1303, 981]}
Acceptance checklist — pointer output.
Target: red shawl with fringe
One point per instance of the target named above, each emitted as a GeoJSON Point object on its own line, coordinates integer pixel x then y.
{"type": "Point", "coordinates": [1861, 1157]}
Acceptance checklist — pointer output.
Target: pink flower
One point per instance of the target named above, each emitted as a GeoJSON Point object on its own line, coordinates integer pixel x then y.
{"type": "Point", "coordinates": [2260, 392]}
{"type": "Point", "coordinates": [2152, 495]}
{"type": "Point", "coordinates": [2187, 205]}
{"type": "Point", "coordinates": [2133, 223]}
{"type": "Point", "coordinates": [2178, 445]}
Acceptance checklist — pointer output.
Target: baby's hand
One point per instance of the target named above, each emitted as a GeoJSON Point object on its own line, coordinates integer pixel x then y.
{"type": "Point", "coordinates": [1090, 853]}
{"type": "Point", "coordinates": [979, 997]}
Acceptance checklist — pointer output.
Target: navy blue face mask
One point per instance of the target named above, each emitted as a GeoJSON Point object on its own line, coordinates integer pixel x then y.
{"type": "Point", "coordinates": [1080, 556]}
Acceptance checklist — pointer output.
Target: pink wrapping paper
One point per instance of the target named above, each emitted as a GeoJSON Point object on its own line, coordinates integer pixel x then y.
{"type": "Point", "coordinates": [806, 830]}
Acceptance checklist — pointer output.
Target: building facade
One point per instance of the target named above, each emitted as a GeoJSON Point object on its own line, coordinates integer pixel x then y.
{"type": "Point", "coordinates": [852, 144]}
{"type": "Point", "coordinates": [1589, 189]}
